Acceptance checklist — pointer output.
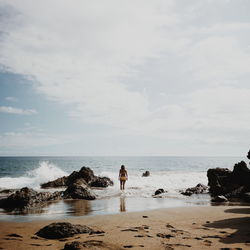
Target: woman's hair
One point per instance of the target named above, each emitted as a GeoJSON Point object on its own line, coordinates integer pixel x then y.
{"type": "Point", "coordinates": [122, 167]}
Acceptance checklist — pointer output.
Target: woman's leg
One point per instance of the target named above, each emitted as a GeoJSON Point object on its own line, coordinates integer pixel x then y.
{"type": "Point", "coordinates": [120, 184]}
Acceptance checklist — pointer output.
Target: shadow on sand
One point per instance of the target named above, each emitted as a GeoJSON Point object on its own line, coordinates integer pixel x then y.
{"type": "Point", "coordinates": [241, 225]}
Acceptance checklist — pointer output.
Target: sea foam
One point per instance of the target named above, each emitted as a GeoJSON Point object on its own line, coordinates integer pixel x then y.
{"type": "Point", "coordinates": [43, 173]}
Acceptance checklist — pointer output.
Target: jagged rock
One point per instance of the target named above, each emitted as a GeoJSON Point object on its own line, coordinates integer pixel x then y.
{"type": "Point", "coordinates": [232, 184]}
{"type": "Point", "coordinates": [101, 182]}
{"type": "Point", "coordinates": [246, 197]}
{"type": "Point", "coordinates": [27, 198]}
{"type": "Point", "coordinates": [62, 230]}
{"type": "Point", "coordinates": [85, 174]}
{"type": "Point", "coordinates": [60, 182]}
{"type": "Point", "coordinates": [146, 174]}
{"type": "Point", "coordinates": [198, 189]}
{"type": "Point", "coordinates": [159, 191]}
{"type": "Point", "coordinates": [248, 155]}
{"type": "Point", "coordinates": [79, 190]}
{"type": "Point", "coordinates": [219, 198]}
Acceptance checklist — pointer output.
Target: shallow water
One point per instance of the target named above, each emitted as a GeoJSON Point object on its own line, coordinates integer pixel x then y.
{"type": "Point", "coordinates": [170, 173]}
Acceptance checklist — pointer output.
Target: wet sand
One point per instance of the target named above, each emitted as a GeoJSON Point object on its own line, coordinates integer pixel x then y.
{"type": "Point", "coordinates": [213, 227]}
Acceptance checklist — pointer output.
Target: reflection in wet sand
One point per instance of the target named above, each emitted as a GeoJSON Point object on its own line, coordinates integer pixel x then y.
{"type": "Point", "coordinates": [122, 204]}
{"type": "Point", "coordinates": [79, 207]}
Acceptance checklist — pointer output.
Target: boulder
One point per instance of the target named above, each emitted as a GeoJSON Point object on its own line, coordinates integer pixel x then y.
{"type": "Point", "coordinates": [159, 191]}
{"type": "Point", "coordinates": [60, 182]}
{"type": "Point", "coordinates": [27, 198]}
{"type": "Point", "coordinates": [231, 184]}
{"type": "Point", "coordinates": [101, 182]}
{"type": "Point", "coordinates": [219, 198]}
{"type": "Point", "coordinates": [246, 197]}
{"type": "Point", "coordinates": [79, 190]}
{"type": "Point", "coordinates": [198, 189]}
{"type": "Point", "coordinates": [84, 174]}
{"type": "Point", "coordinates": [146, 174]}
{"type": "Point", "coordinates": [62, 230]}
{"type": "Point", "coordinates": [90, 244]}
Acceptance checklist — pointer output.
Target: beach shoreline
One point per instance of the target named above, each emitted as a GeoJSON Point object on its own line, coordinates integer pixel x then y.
{"type": "Point", "coordinates": [202, 227]}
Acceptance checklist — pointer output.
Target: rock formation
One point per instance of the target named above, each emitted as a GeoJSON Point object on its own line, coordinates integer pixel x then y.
{"type": "Point", "coordinates": [146, 174]}
{"type": "Point", "coordinates": [198, 189]}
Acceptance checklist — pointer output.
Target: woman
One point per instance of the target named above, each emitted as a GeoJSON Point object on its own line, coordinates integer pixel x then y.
{"type": "Point", "coordinates": [123, 176]}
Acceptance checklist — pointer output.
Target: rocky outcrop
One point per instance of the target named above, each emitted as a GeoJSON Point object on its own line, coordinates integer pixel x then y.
{"type": "Point", "coordinates": [60, 182]}
{"type": "Point", "coordinates": [231, 184]}
{"type": "Point", "coordinates": [101, 182]}
{"type": "Point", "coordinates": [198, 189]}
{"type": "Point", "coordinates": [159, 191]}
{"type": "Point", "coordinates": [79, 190]}
{"type": "Point", "coordinates": [27, 198]}
{"type": "Point", "coordinates": [84, 174]}
{"type": "Point", "coordinates": [146, 174]}
{"type": "Point", "coordinates": [62, 230]}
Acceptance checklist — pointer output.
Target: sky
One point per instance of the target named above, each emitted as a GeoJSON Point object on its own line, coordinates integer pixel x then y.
{"type": "Point", "coordinates": [134, 77]}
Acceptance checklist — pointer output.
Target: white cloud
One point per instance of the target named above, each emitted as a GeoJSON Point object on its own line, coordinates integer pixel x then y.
{"type": "Point", "coordinates": [18, 111]}
{"type": "Point", "coordinates": [100, 56]}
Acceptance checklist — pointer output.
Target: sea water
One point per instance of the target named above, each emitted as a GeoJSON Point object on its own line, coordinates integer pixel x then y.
{"type": "Point", "coordinates": [170, 173]}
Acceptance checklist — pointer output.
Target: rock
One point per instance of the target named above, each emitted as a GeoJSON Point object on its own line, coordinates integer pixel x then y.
{"type": "Point", "coordinates": [101, 182]}
{"type": "Point", "coordinates": [62, 230]}
{"type": "Point", "coordinates": [89, 244]}
{"type": "Point", "coordinates": [246, 197]}
{"type": "Point", "coordinates": [198, 189]}
{"type": "Point", "coordinates": [146, 174]}
{"type": "Point", "coordinates": [159, 191]}
{"type": "Point", "coordinates": [60, 182]}
{"type": "Point", "coordinates": [248, 155]}
{"type": "Point", "coordinates": [85, 174]}
{"type": "Point", "coordinates": [231, 184]}
{"type": "Point", "coordinates": [79, 190]}
{"type": "Point", "coordinates": [27, 198]}
{"type": "Point", "coordinates": [219, 198]}
{"type": "Point", "coordinates": [75, 245]}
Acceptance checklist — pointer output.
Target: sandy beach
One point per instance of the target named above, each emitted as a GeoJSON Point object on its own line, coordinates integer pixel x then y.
{"type": "Point", "coordinates": [213, 227]}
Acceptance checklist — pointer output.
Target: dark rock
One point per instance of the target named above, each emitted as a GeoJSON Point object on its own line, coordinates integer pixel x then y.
{"type": "Point", "coordinates": [60, 182]}
{"type": "Point", "coordinates": [146, 174]}
{"type": "Point", "coordinates": [248, 155]}
{"type": "Point", "coordinates": [219, 198]}
{"type": "Point", "coordinates": [75, 245]}
{"type": "Point", "coordinates": [79, 190]}
{"type": "Point", "coordinates": [62, 230]}
{"type": "Point", "coordinates": [15, 235]}
{"type": "Point", "coordinates": [27, 198]}
{"type": "Point", "coordinates": [159, 191]}
{"type": "Point", "coordinates": [85, 174]}
{"type": "Point", "coordinates": [231, 184]}
{"type": "Point", "coordinates": [101, 182]}
{"type": "Point", "coordinates": [246, 197]}
{"type": "Point", "coordinates": [198, 189]}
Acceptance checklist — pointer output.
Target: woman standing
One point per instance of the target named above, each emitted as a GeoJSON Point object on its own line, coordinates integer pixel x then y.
{"type": "Point", "coordinates": [123, 176]}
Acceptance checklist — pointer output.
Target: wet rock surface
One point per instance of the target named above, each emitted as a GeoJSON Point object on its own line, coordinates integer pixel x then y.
{"type": "Point", "coordinates": [27, 198]}
{"type": "Point", "coordinates": [85, 174]}
{"type": "Point", "coordinates": [231, 184]}
{"type": "Point", "coordinates": [146, 174]}
{"type": "Point", "coordinates": [219, 198]}
{"type": "Point", "coordinates": [198, 189]}
{"type": "Point", "coordinates": [79, 190]}
{"type": "Point", "coordinates": [62, 230]}
{"type": "Point", "coordinates": [159, 191]}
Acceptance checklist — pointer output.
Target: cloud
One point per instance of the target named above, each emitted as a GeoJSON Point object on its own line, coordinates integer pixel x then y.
{"type": "Point", "coordinates": [17, 111]}
{"type": "Point", "coordinates": [155, 68]}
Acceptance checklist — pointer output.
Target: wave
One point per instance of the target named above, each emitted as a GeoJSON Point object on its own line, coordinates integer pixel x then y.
{"type": "Point", "coordinates": [43, 173]}
{"type": "Point", "coordinates": [138, 186]}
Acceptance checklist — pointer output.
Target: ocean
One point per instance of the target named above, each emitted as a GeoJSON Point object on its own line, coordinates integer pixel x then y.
{"type": "Point", "coordinates": [170, 173]}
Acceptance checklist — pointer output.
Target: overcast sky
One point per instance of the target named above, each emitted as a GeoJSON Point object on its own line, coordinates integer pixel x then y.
{"type": "Point", "coordinates": [134, 77]}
